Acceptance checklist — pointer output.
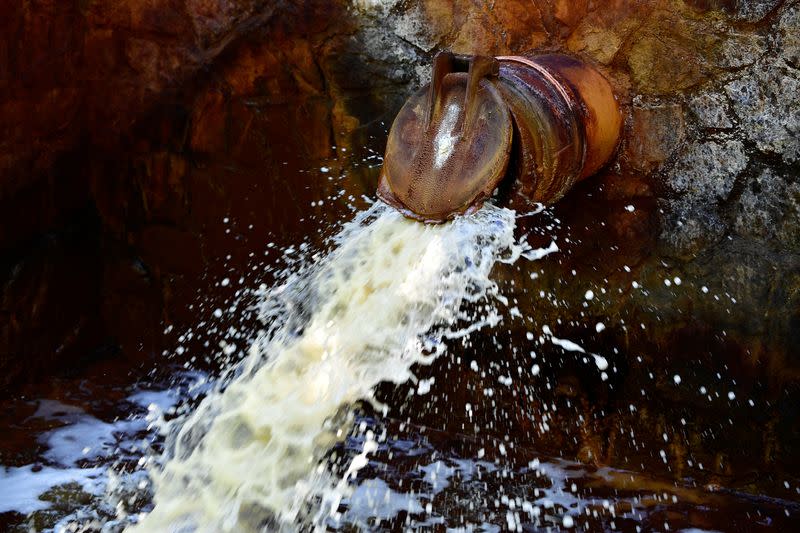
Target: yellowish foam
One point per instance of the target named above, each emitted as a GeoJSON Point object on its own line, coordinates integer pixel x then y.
{"type": "Point", "coordinates": [248, 456]}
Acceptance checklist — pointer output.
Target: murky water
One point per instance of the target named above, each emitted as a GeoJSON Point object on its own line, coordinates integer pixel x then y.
{"type": "Point", "coordinates": [385, 379]}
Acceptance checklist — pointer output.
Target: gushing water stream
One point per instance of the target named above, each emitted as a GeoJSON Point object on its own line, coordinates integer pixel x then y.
{"type": "Point", "coordinates": [384, 298]}
{"type": "Point", "coordinates": [293, 435]}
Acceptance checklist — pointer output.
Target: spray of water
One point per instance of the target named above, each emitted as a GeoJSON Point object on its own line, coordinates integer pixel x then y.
{"type": "Point", "coordinates": [387, 296]}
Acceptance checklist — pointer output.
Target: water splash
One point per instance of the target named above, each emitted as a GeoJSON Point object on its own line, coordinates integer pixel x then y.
{"type": "Point", "coordinates": [282, 440]}
{"type": "Point", "coordinates": [387, 296]}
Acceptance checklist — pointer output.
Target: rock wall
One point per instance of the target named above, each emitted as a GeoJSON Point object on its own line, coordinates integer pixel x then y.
{"type": "Point", "coordinates": [85, 71]}
{"type": "Point", "coordinates": [82, 84]}
{"type": "Point", "coordinates": [160, 118]}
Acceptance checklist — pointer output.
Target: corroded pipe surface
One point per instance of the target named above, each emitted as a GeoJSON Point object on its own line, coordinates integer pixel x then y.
{"type": "Point", "coordinates": [449, 145]}
{"type": "Point", "coordinates": [543, 122]}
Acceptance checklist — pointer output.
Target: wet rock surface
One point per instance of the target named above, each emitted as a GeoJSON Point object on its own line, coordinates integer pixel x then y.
{"type": "Point", "coordinates": [161, 119]}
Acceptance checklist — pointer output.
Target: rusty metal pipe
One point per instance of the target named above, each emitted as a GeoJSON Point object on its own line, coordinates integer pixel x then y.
{"type": "Point", "coordinates": [542, 122]}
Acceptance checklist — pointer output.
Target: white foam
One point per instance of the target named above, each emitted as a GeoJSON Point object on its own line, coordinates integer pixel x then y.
{"type": "Point", "coordinates": [373, 498]}
{"type": "Point", "coordinates": [68, 448]}
{"type": "Point", "coordinates": [437, 474]}
{"type": "Point", "coordinates": [22, 486]}
{"type": "Point", "coordinates": [566, 344]}
{"type": "Point", "coordinates": [88, 438]}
